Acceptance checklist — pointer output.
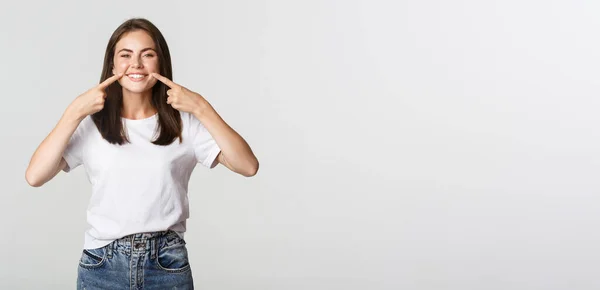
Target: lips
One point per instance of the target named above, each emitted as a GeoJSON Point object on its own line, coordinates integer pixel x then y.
{"type": "Point", "coordinates": [137, 77]}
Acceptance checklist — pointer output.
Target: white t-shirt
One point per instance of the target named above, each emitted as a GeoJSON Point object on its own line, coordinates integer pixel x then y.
{"type": "Point", "coordinates": [138, 187]}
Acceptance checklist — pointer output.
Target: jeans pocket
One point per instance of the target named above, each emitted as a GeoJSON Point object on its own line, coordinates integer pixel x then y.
{"type": "Point", "coordinates": [92, 258]}
{"type": "Point", "coordinates": [173, 257]}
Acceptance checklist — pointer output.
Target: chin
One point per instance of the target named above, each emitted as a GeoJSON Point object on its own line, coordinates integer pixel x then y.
{"type": "Point", "coordinates": [137, 90]}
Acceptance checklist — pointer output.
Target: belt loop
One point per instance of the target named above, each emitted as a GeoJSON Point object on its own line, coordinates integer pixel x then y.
{"type": "Point", "coordinates": [153, 247]}
{"type": "Point", "coordinates": [109, 250]}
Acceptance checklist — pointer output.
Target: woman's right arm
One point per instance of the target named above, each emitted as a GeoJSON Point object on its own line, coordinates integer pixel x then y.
{"type": "Point", "coordinates": [47, 160]}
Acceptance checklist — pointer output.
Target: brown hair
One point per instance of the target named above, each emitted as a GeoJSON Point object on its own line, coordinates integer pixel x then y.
{"type": "Point", "coordinates": [108, 120]}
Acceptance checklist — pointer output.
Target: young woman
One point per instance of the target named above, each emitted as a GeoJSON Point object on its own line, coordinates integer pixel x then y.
{"type": "Point", "coordinates": [139, 135]}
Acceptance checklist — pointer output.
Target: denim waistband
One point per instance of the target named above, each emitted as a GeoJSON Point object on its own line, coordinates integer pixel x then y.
{"type": "Point", "coordinates": [139, 242]}
{"type": "Point", "coordinates": [142, 237]}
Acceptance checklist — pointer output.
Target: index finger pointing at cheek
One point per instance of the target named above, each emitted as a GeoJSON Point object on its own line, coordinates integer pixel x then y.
{"type": "Point", "coordinates": [110, 80]}
{"type": "Point", "coordinates": [165, 81]}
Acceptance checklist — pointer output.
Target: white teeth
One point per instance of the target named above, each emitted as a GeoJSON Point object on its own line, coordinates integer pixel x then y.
{"type": "Point", "coordinates": [136, 76]}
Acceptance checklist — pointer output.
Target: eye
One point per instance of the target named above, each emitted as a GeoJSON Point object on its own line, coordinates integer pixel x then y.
{"type": "Point", "coordinates": [124, 55]}
{"type": "Point", "coordinates": [149, 55]}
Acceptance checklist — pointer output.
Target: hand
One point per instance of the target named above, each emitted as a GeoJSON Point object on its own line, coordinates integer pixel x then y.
{"type": "Point", "coordinates": [92, 101]}
{"type": "Point", "coordinates": [181, 98]}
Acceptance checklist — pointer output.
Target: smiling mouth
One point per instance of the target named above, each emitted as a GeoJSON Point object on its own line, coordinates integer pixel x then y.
{"type": "Point", "coordinates": [137, 77]}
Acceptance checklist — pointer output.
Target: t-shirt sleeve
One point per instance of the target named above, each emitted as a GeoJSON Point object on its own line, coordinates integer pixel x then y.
{"type": "Point", "coordinates": [73, 154]}
{"type": "Point", "coordinates": [205, 147]}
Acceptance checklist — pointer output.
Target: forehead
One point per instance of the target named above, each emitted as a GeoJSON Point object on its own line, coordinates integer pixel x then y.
{"type": "Point", "coordinates": [135, 40]}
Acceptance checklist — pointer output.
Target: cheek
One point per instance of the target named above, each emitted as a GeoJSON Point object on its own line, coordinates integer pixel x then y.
{"type": "Point", "coordinates": [120, 67]}
{"type": "Point", "coordinates": [151, 65]}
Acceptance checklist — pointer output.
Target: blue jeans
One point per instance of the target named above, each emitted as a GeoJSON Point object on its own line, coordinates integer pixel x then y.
{"type": "Point", "coordinates": [154, 260]}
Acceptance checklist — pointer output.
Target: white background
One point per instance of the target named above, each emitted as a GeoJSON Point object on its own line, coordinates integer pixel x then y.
{"type": "Point", "coordinates": [403, 144]}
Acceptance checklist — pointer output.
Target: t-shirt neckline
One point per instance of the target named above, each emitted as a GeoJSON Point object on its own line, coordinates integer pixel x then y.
{"type": "Point", "coordinates": [151, 118]}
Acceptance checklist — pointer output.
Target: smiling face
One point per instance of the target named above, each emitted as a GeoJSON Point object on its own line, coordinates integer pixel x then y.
{"type": "Point", "coordinates": [135, 56]}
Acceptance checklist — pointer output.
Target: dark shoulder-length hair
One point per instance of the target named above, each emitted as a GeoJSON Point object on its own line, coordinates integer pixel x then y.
{"type": "Point", "coordinates": [108, 120]}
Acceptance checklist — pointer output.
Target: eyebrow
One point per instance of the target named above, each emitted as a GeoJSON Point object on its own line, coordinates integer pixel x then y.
{"type": "Point", "coordinates": [129, 50]}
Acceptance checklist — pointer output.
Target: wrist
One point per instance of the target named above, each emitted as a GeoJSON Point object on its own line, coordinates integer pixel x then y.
{"type": "Point", "coordinates": [203, 110]}
{"type": "Point", "coordinates": [73, 115]}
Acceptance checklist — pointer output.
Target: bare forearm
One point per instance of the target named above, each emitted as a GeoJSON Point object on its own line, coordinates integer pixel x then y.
{"type": "Point", "coordinates": [235, 149]}
{"type": "Point", "coordinates": [46, 159]}
{"type": "Point", "coordinates": [235, 152]}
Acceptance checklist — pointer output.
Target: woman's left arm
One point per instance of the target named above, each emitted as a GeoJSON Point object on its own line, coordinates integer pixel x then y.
{"type": "Point", "coordinates": [235, 152]}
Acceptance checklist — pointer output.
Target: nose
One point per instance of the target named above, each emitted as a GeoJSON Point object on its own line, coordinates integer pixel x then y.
{"type": "Point", "coordinates": [136, 63]}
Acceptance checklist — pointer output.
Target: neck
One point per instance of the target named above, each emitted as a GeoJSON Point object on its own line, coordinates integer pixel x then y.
{"type": "Point", "coordinates": [137, 105]}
